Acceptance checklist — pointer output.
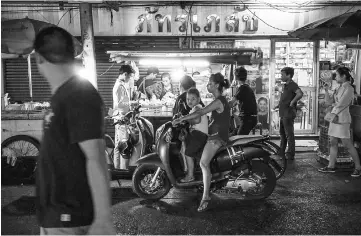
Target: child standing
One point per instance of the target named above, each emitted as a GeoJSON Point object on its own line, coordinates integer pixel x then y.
{"type": "Point", "coordinates": [197, 138]}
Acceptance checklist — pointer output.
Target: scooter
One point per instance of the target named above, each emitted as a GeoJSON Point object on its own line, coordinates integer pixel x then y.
{"type": "Point", "coordinates": [139, 142]}
{"type": "Point", "coordinates": [277, 162]}
{"type": "Point", "coordinates": [240, 167]}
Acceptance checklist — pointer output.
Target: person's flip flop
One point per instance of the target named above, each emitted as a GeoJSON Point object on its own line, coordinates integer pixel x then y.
{"type": "Point", "coordinates": [184, 180]}
{"type": "Point", "coordinates": [204, 205]}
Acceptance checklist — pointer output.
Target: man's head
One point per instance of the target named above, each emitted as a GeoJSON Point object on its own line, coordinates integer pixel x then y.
{"type": "Point", "coordinates": [240, 74]}
{"type": "Point", "coordinates": [166, 79]}
{"type": "Point", "coordinates": [186, 83]}
{"type": "Point", "coordinates": [125, 72]}
{"type": "Point", "coordinates": [53, 45]}
{"type": "Point", "coordinates": [287, 73]}
{"type": "Point", "coordinates": [152, 72]}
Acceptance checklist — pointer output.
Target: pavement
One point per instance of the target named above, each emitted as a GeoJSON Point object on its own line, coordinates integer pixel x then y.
{"type": "Point", "coordinates": [304, 202]}
{"type": "Point", "coordinates": [302, 145]}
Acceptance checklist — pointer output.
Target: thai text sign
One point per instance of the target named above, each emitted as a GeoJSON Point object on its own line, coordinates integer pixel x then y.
{"type": "Point", "coordinates": [239, 20]}
{"type": "Point", "coordinates": [200, 21]}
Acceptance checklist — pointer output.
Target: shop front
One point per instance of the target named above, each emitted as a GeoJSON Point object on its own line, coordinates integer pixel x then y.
{"type": "Point", "coordinates": [196, 27]}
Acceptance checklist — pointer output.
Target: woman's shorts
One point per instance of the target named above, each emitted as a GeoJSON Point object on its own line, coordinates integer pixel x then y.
{"type": "Point", "coordinates": [216, 140]}
{"type": "Point", "coordinates": [195, 142]}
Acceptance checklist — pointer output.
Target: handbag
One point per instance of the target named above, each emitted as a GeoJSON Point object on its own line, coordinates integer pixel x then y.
{"type": "Point", "coordinates": [334, 120]}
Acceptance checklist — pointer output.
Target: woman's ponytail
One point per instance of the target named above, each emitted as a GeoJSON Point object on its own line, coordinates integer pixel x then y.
{"type": "Point", "coordinates": [226, 84]}
{"type": "Point", "coordinates": [219, 79]}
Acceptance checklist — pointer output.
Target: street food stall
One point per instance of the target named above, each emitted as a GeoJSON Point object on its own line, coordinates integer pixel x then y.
{"type": "Point", "coordinates": [197, 63]}
{"type": "Point", "coordinates": [21, 120]}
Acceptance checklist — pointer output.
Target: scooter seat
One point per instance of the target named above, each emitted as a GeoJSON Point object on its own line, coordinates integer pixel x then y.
{"type": "Point", "coordinates": [241, 139]}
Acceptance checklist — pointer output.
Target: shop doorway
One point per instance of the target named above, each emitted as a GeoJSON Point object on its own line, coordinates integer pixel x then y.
{"type": "Point", "coordinates": [302, 56]}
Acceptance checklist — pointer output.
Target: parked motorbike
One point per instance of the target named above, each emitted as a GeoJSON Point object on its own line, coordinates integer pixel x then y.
{"type": "Point", "coordinates": [240, 167]}
{"type": "Point", "coordinates": [277, 161]}
{"type": "Point", "coordinates": [139, 141]}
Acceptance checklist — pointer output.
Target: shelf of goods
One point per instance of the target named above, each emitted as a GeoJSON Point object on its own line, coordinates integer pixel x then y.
{"type": "Point", "coordinates": [335, 53]}
{"type": "Point", "coordinates": [296, 55]}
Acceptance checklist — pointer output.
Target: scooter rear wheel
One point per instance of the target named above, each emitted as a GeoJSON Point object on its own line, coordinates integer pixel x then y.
{"type": "Point", "coordinates": [267, 181]}
{"type": "Point", "coordinates": [142, 177]}
{"type": "Point", "coordinates": [278, 163]}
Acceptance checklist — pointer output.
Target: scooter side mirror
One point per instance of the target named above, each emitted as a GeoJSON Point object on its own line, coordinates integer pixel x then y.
{"type": "Point", "coordinates": [110, 112]}
{"type": "Point", "coordinates": [115, 112]}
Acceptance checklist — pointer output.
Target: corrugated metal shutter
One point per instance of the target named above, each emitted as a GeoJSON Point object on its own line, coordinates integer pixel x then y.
{"type": "Point", "coordinates": [17, 81]}
{"type": "Point", "coordinates": [16, 71]}
{"type": "Point", "coordinates": [108, 71]}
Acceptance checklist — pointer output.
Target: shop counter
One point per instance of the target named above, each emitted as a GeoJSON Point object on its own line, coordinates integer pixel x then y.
{"type": "Point", "coordinates": [157, 119]}
{"type": "Point", "coordinates": [30, 123]}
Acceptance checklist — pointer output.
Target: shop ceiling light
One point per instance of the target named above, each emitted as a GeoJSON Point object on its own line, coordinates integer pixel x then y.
{"type": "Point", "coordinates": [196, 63]}
{"type": "Point", "coordinates": [85, 73]}
{"type": "Point", "coordinates": [160, 62]}
{"type": "Point", "coordinates": [173, 62]}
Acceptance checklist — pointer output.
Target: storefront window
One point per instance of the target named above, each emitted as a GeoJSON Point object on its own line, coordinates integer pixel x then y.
{"type": "Point", "coordinates": [298, 55]}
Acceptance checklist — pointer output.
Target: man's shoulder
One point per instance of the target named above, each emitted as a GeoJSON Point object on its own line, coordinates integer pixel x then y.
{"type": "Point", "coordinates": [183, 96]}
{"type": "Point", "coordinates": [119, 85]}
{"type": "Point", "coordinates": [244, 89]}
{"type": "Point", "coordinates": [78, 88]}
{"type": "Point", "coordinates": [293, 84]}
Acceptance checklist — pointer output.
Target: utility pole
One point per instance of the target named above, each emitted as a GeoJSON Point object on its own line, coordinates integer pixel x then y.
{"type": "Point", "coordinates": [87, 36]}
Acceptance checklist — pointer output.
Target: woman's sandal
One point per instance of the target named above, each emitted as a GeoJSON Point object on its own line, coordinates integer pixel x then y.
{"type": "Point", "coordinates": [185, 180]}
{"type": "Point", "coordinates": [204, 205]}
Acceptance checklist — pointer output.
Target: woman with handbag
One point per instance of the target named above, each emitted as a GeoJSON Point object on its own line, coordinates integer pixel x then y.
{"type": "Point", "coordinates": [340, 120]}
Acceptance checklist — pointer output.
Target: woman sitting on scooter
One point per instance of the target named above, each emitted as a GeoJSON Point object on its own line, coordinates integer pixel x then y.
{"type": "Point", "coordinates": [218, 130]}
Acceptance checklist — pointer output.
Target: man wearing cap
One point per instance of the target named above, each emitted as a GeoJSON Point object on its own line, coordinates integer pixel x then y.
{"type": "Point", "coordinates": [73, 194]}
{"type": "Point", "coordinates": [247, 103]}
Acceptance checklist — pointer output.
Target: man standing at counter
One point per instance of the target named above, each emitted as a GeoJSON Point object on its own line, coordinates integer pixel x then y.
{"type": "Point", "coordinates": [122, 95]}
{"type": "Point", "coordinates": [287, 111]}
{"type": "Point", "coordinates": [148, 84]}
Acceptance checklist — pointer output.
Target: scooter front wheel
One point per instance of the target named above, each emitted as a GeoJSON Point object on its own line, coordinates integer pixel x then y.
{"type": "Point", "coordinates": [144, 184]}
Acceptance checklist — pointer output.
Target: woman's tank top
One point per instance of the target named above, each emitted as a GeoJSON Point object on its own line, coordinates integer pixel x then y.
{"type": "Point", "coordinates": [221, 121]}
{"type": "Point", "coordinates": [203, 125]}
